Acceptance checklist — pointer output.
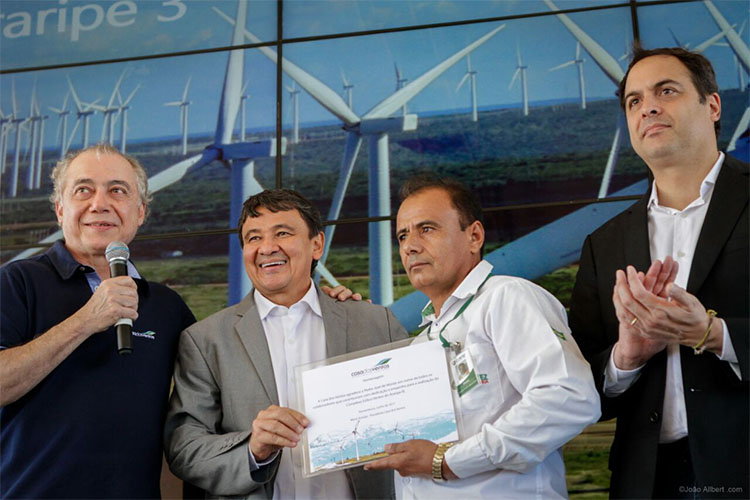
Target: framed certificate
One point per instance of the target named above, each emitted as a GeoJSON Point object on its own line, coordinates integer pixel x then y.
{"type": "Point", "coordinates": [359, 402]}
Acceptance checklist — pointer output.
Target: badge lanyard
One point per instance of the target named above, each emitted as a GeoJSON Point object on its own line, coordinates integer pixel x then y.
{"type": "Point", "coordinates": [463, 376]}
{"type": "Point", "coordinates": [455, 346]}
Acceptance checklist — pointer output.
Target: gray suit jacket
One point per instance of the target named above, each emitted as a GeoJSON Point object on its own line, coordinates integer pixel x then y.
{"type": "Point", "coordinates": [223, 378]}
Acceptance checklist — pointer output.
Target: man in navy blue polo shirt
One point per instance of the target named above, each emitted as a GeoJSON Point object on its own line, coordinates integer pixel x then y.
{"type": "Point", "coordinates": [76, 419]}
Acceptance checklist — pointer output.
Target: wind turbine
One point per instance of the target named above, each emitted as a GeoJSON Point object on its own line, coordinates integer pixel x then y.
{"type": "Point", "coordinates": [737, 64]}
{"type": "Point", "coordinates": [347, 90]}
{"type": "Point", "coordinates": [36, 135]}
{"type": "Point", "coordinates": [521, 70]}
{"type": "Point", "coordinates": [183, 104]}
{"type": "Point", "coordinates": [400, 82]}
{"type": "Point", "coordinates": [376, 124]}
{"type": "Point", "coordinates": [294, 96]}
{"type": "Point", "coordinates": [62, 124]}
{"type": "Point", "coordinates": [470, 75]}
{"type": "Point", "coordinates": [84, 112]}
{"type": "Point", "coordinates": [578, 61]}
{"type": "Point", "coordinates": [124, 107]}
{"type": "Point", "coordinates": [356, 441]}
{"type": "Point", "coordinates": [109, 113]}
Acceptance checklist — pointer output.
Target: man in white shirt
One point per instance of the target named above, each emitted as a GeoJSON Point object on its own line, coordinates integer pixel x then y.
{"type": "Point", "coordinates": [669, 348]}
{"type": "Point", "coordinates": [533, 390]}
{"type": "Point", "coordinates": [232, 423]}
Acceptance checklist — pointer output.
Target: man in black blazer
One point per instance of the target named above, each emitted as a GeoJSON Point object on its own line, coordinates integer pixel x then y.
{"type": "Point", "coordinates": [660, 304]}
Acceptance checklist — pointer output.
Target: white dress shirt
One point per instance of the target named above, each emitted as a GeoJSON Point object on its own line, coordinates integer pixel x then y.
{"type": "Point", "coordinates": [674, 232]}
{"type": "Point", "coordinates": [536, 393]}
{"type": "Point", "coordinates": [296, 336]}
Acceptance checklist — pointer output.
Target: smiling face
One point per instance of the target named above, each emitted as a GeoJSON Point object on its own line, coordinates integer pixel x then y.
{"type": "Point", "coordinates": [278, 252]}
{"type": "Point", "coordinates": [435, 252]}
{"type": "Point", "coordinates": [667, 122]}
{"type": "Point", "coordinates": [99, 204]}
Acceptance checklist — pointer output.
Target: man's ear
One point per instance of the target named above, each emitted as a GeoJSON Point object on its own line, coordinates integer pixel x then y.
{"type": "Point", "coordinates": [318, 242]}
{"type": "Point", "coordinates": [475, 233]}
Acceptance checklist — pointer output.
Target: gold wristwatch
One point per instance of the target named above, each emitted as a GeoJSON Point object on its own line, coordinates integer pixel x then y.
{"type": "Point", "coordinates": [437, 462]}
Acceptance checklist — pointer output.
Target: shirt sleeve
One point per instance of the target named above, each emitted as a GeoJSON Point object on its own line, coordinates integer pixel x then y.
{"type": "Point", "coordinates": [728, 353]}
{"type": "Point", "coordinates": [553, 385]}
{"type": "Point", "coordinates": [617, 381]}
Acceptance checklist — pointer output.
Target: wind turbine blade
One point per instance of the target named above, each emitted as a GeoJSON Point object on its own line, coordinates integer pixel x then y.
{"type": "Point", "coordinates": [710, 42]}
{"type": "Point", "coordinates": [14, 101]}
{"type": "Point", "coordinates": [231, 94]}
{"type": "Point", "coordinates": [563, 65]}
{"type": "Point", "coordinates": [468, 63]}
{"type": "Point", "coordinates": [351, 150]}
{"type": "Point", "coordinates": [130, 97]}
{"type": "Point", "coordinates": [513, 80]}
{"type": "Point", "coordinates": [578, 50]}
{"type": "Point", "coordinates": [343, 78]}
{"type": "Point", "coordinates": [391, 104]}
{"type": "Point", "coordinates": [398, 73]}
{"type": "Point", "coordinates": [116, 90]}
{"type": "Point", "coordinates": [187, 87]}
{"type": "Point", "coordinates": [674, 37]}
{"type": "Point", "coordinates": [172, 103]}
{"type": "Point", "coordinates": [738, 46]}
{"type": "Point", "coordinates": [327, 97]}
{"type": "Point", "coordinates": [463, 80]}
{"type": "Point", "coordinates": [518, 55]}
{"type": "Point", "coordinates": [79, 106]}
{"type": "Point", "coordinates": [72, 133]}
{"type": "Point", "coordinates": [602, 58]}
{"type": "Point", "coordinates": [172, 174]}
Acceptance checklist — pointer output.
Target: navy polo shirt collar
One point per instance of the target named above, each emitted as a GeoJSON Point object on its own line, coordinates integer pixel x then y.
{"type": "Point", "coordinates": [66, 266]}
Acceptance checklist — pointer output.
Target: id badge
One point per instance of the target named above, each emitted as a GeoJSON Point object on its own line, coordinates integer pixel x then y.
{"type": "Point", "coordinates": [462, 372]}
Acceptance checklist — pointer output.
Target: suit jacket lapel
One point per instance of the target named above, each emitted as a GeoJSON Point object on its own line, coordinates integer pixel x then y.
{"type": "Point", "coordinates": [334, 322]}
{"type": "Point", "coordinates": [727, 202]}
{"type": "Point", "coordinates": [250, 330]}
{"type": "Point", "coordinates": [637, 252]}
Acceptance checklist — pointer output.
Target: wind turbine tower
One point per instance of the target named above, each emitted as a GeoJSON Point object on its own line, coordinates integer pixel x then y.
{"type": "Point", "coordinates": [472, 76]}
{"type": "Point", "coordinates": [294, 96]}
{"type": "Point", "coordinates": [183, 104]}
{"type": "Point", "coordinates": [124, 107]}
{"type": "Point", "coordinates": [356, 440]}
{"type": "Point", "coordinates": [62, 124]}
{"type": "Point", "coordinates": [16, 121]}
{"type": "Point", "coordinates": [521, 70]}
{"type": "Point", "coordinates": [578, 61]}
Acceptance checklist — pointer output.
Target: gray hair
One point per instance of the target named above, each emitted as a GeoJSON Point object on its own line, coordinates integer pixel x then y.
{"type": "Point", "coordinates": [58, 173]}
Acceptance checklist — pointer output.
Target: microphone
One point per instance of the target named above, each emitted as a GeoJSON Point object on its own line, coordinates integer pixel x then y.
{"type": "Point", "coordinates": [117, 254]}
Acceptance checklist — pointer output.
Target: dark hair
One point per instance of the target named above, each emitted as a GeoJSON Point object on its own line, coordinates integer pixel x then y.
{"type": "Point", "coordinates": [282, 200]}
{"type": "Point", "coordinates": [462, 198]}
{"type": "Point", "coordinates": [701, 72]}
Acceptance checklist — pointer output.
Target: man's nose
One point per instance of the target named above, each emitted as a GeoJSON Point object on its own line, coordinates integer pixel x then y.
{"type": "Point", "coordinates": [99, 201]}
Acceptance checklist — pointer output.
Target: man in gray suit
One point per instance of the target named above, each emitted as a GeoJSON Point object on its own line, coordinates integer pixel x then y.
{"type": "Point", "coordinates": [231, 420]}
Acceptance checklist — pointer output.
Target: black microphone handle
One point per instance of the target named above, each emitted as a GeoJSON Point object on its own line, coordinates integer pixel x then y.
{"type": "Point", "coordinates": [124, 327]}
{"type": "Point", "coordinates": [124, 338]}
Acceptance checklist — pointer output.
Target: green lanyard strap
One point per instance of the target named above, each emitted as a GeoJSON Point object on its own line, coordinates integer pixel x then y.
{"type": "Point", "coordinates": [459, 313]}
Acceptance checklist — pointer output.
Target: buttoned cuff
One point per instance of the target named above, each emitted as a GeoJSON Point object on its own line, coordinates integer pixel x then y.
{"type": "Point", "coordinates": [728, 353]}
{"type": "Point", "coordinates": [468, 458]}
{"type": "Point", "coordinates": [257, 465]}
{"type": "Point", "coordinates": [617, 381]}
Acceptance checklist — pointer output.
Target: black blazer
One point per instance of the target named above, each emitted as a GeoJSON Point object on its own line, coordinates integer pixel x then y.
{"type": "Point", "coordinates": [716, 400]}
